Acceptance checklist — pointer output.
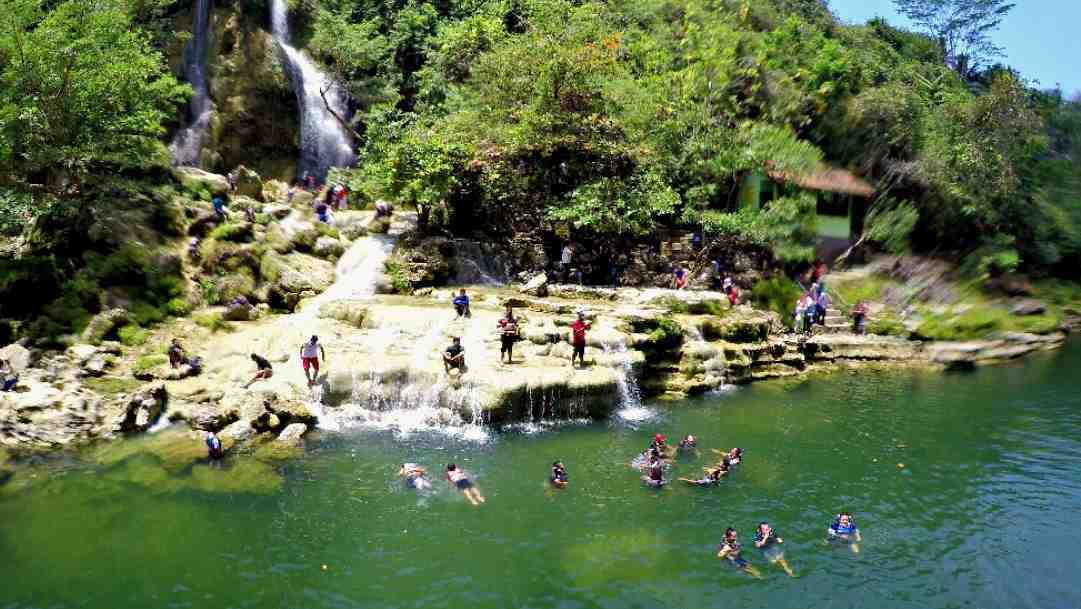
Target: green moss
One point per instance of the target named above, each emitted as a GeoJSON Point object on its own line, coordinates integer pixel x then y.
{"type": "Point", "coordinates": [982, 322]}
{"type": "Point", "coordinates": [147, 363]}
{"type": "Point", "coordinates": [887, 325]}
{"type": "Point", "coordinates": [778, 295]}
{"type": "Point", "coordinates": [212, 322]}
{"type": "Point", "coordinates": [668, 335]}
{"type": "Point", "coordinates": [232, 231]}
{"type": "Point", "coordinates": [178, 307]}
{"type": "Point", "coordinates": [132, 335]}
{"type": "Point", "coordinates": [1036, 324]}
{"type": "Point", "coordinates": [112, 385]}
{"type": "Point", "coordinates": [868, 289]}
{"type": "Point", "coordinates": [146, 314]}
{"type": "Point", "coordinates": [398, 278]}
{"type": "Point", "coordinates": [240, 283]}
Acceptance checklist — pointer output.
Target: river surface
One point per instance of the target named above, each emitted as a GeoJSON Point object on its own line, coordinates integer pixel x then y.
{"type": "Point", "coordinates": [984, 513]}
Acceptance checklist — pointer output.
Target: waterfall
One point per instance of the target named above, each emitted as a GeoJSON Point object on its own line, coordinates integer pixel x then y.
{"type": "Point", "coordinates": [630, 396]}
{"type": "Point", "coordinates": [324, 143]}
{"type": "Point", "coordinates": [187, 145]}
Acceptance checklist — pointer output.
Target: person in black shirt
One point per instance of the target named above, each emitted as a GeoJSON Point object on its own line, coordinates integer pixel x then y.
{"type": "Point", "coordinates": [559, 475]}
{"type": "Point", "coordinates": [265, 370]}
{"type": "Point", "coordinates": [765, 538]}
{"type": "Point", "coordinates": [454, 356]}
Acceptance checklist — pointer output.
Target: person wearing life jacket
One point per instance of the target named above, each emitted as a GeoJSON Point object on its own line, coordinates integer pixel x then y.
{"type": "Point", "coordinates": [655, 472]}
{"type": "Point", "coordinates": [766, 539]}
{"type": "Point", "coordinates": [457, 478]}
{"type": "Point", "coordinates": [508, 335]}
{"type": "Point", "coordinates": [730, 549]}
{"type": "Point", "coordinates": [414, 476]}
{"type": "Point", "coordinates": [843, 529]}
{"type": "Point", "coordinates": [713, 476]}
{"type": "Point", "coordinates": [310, 353]}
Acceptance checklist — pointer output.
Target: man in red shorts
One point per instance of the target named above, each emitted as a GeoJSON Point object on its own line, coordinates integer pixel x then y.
{"type": "Point", "coordinates": [310, 352]}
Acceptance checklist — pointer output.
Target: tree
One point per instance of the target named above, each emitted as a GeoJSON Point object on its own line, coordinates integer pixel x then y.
{"type": "Point", "coordinates": [962, 27]}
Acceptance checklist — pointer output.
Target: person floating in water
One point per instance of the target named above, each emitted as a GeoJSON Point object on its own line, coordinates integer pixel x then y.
{"type": "Point", "coordinates": [457, 478]}
{"type": "Point", "coordinates": [578, 339]}
{"type": "Point", "coordinates": [655, 472]}
{"type": "Point", "coordinates": [765, 538]}
{"type": "Point", "coordinates": [214, 450]}
{"type": "Point", "coordinates": [659, 444]}
{"type": "Point", "coordinates": [559, 475]}
{"type": "Point", "coordinates": [729, 549]}
{"type": "Point", "coordinates": [310, 352]}
{"type": "Point", "coordinates": [414, 476]}
{"type": "Point", "coordinates": [713, 475]}
{"type": "Point", "coordinates": [843, 529]}
{"type": "Point", "coordinates": [454, 356]}
{"type": "Point", "coordinates": [461, 304]}
{"type": "Point", "coordinates": [688, 445]}
{"type": "Point", "coordinates": [735, 456]}
{"type": "Point", "coordinates": [265, 370]}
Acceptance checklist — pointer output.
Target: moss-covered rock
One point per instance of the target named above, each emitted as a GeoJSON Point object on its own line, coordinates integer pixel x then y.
{"type": "Point", "coordinates": [104, 324]}
{"type": "Point", "coordinates": [195, 180]}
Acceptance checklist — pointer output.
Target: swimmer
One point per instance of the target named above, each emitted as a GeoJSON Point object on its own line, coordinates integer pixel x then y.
{"type": "Point", "coordinates": [766, 538]}
{"type": "Point", "coordinates": [459, 480]}
{"type": "Point", "coordinates": [655, 477]}
{"type": "Point", "coordinates": [729, 548]}
{"type": "Point", "coordinates": [844, 529]}
{"type": "Point", "coordinates": [735, 456]}
{"type": "Point", "coordinates": [658, 443]}
{"type": "Point", "coordinates": [559, 475]}
{"type": "Point", "coordinates": [688, 444]}
{"type": "Point", "coordinates": [713, 476]}
{"type": "Point", "coordinates": [413, 475]}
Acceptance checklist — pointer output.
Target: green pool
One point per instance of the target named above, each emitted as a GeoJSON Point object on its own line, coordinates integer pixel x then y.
{"type": "Point", "coordinates": [984, 513]}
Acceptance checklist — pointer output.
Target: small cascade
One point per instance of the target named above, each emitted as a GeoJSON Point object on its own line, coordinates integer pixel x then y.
{"type": "Point", "coordinates": [187, 145]}
{"type": "Point", "coordinates": [324, 143]}
{"type": "Point", "coordinates": [630, 396]}
{"type": "Point", "coordinates": [475, 267]}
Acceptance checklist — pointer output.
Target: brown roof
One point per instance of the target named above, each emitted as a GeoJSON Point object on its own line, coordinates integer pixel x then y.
{"type": "Point", "coordinates": [829, 179]}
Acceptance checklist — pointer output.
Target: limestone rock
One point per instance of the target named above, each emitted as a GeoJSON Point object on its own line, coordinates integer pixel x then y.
{"type": "Point", "coordinates": [248, 183]}
{"type": "Point", "coordinates": [142, 408]}
{"type": "Point", "coordinates": [96, 365]}
{"type": "Point", "coordinates": [210, 418]}
{"type": "Point", "coordinates": [238, 312]}
{"type": "Point", "coordinates": [16, 355]}
{"type": "Point", "coordinates": [349, 312]}
{"type": "Point", "coordinates": [378, 226]}
{"type": "Point", "coordinates": [293, 434]}
{"type": "Point", "coordinates": [236, 432]}
{"type": "Point", "coordinates": [103, 324]}
{"type": "Point", "coordinates": [293, 233]}
{"type": "Point", "coordinates": [195, 179]}
{"type": "Point", "coordinates": [537, 286]}
{"type": "Point", "coordinates": [351, 224]}
{"type": "Point", "coordinates": [292, 274]}
{"type": "Point", "coordinates": [327, 247]}
{"type": "Point", "coordinates": [1028, 306]}
{"type": "Point", "coordinates": [274, 191]}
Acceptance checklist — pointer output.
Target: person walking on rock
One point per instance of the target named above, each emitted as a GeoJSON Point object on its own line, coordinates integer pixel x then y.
{"type": "Point", "coordinates": [310, 352]}
{"type": "Point", "coordinates": [578, 339]}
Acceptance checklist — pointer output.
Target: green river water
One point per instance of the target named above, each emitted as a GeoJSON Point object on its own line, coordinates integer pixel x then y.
{"type": "Point", "coordinates": [984, 513]}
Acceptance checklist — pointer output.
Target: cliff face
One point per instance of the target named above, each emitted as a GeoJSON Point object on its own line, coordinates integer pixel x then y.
{"type": "Point", "coordinates": [255, 110]}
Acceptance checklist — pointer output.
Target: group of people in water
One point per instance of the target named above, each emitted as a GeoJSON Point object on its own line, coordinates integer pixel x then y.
{"type": "Point", "coordinates": [654, 460]}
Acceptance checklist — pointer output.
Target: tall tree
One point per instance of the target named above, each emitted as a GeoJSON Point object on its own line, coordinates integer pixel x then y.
{"type": "Point", "coordinates": [962, 27]}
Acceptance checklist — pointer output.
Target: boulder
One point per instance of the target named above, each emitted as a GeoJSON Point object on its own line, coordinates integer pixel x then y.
{"type": "Point", "coordinates": [327, 247]}
{"type": "Point", "coordinates": [141, 409]}
{"type": "Point", "coordinates": [378, 226]}
{"type": "Point", "coordinates": [351, 224]}
{"type": "Point", "coordinates": [238, 312]}
{"type": "Point", "coordinates": [248, 183]}
{"type": "Point", "coordinates": [16, 355]}
{"type": "Point", "coordinates": [302, 198]}
{"type": "Point", "coordinates": [292, 274]}
{"type": "Point", "coordinates": [1028, 306]}
{"type": "Point", "coordinates": [277, 212]}
{"type": "Point", "coordinates": [236, 432]}
{"type": "Point", "coordinates": [293, 434]}
{"type": "Point", "coordinates": [293, 233]}
{"type": "Point", "coordinates": [210, 418]}
{"type": "Point", "coordinates": [96, 365]}
{"type": "Point", "coordinates": [103, 324]}
{"type": "Point", "coordinates": [537, 286]}
{"type": "Point", "coordinates": [274, 190]}
{"type": "Point", "coordinates": [195, 179]}
{"type": "Point", "coordinates": [348, 312]}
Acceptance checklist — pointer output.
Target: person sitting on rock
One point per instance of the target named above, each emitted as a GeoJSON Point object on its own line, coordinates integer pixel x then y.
{"type": "Point", "coordinates": [176, 353]}
{"type": "Point", "coordinates": [265, 370]}
{"type": "Point", "coordinates": [461, 304]}
{"type": "Point", "coordinates": [454, 356]}
{"type": "Point", "coordinates": [310, 352]}
{"type": "Point", "coordinates": [578, 339]}
{"type": "Point", "coordinates": [382, 209]}
{"type": "Point", "coordinates": [8, 376]}
{"type": "Point", "coordinates": [508, 334]}
{"type": "Point", "coordinates": [680, 276]}
{"type": "Point", "coordinates": [214, 449]}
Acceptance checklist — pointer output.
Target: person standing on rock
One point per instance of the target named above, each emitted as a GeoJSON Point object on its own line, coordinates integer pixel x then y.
{"type": "Point", "coordinates": [8, 376]}
{"type": "Point", "coordinates": [565, 258]}
{"type": "Point", "coordinates": [578, 339]}
{"type": "Point", "coordinates": [859, 317]}
{"type": "Point", "coordinates": [214, 449]}
{"type": "Point", "coordinates": [454, 356]}
{"type": "Point", "coordinates": [218, 202]}
{"type": "Point", "coordinates": [232, 181]}
{"type": "Point", "coordinates": [508, 334]}
{"type": "Point", "coordinates": [310, 352]}
{"type": "Point", "coordinates": [265, 370]}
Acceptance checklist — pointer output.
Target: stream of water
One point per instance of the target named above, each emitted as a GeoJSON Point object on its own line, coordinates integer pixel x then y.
{"type": "Point", "coordinates": [324, 143]}
{"type": "Point", "coordinates": [983, 512]}
{"type": "Point", "coordinates": [187, 145]}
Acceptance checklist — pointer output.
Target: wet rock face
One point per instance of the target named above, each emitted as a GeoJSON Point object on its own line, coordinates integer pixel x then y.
{"type": "Point", "coordinates": [248, 183]}
{"type": "Point", "coordinates": [142, 409]}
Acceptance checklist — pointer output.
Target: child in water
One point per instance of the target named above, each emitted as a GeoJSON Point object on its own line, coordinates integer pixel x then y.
{"type": "Point", "coordinates": [844, 529]}
{"type": "Point", "coordinates": [730, 549]}
{"type": "Point", "coordinates": [457, 478]}
{"type": "Point", "coordinates": [655, 473]}
{"type": "Point", "coordinates": [559, 475]}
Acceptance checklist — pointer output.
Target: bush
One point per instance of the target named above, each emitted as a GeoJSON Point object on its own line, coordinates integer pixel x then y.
{"type": "Point", "coordinates": [870, 289]}
{"type": "Point", "coordinates": [667, 335]}
{"type": "Point", "coordinates": [147, 363]}
{"type": "Point", "coordinates": [398, 278]}
{"type": "Point", "coordinates": [178, 307]}
{"type": "Point", "coordinates": [132, 335]}
{"type": "Point", "coordinates": [778, 295]}
{"type": "Point", "coordinates": [887, 325]}
{"type": "Point", "coordinates": [231, 231]}
{"type": "Point", "coordinates": [146, 314]}
{"type": "Point", "coordinates": [213, 322]}
{"type": "Point", "coordinates": [975, 323]}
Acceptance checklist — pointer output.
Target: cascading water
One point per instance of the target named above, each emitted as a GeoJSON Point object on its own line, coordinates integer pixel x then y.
{"type": "Point", "coordinates": [324, 143]}
{"type": "Point", "coordinates": [187, 145]}
{"type": "Point", "coordinates": [474, 266]}
{"type": "Point", "coordinates": [630, 396]}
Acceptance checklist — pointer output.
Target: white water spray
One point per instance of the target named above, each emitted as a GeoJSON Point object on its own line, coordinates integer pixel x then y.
{"type": "Point", "coordinates": [187, 145]}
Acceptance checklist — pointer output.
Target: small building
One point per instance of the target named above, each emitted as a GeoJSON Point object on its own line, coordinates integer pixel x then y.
{"type": "Point", "coordinates": [843, 198]}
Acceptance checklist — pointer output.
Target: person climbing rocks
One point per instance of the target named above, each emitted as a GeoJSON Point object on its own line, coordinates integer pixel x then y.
{"type": "Point", "coordinates": [859, 318]}
{"type": "Point", "coordinates": [310, 352]}
{"type": "Point", "coordinates": [219, 203]}
{"type": "Point", "coordinates": [176, 353]}
{"type": "Point", "coordinates": [461, 304]}
{"type": "Point", "coordinates": [214, 449]}
{"type": "Point", "coordinates": [578, 339]}
{"type": "Point", "coordinates": [559, 477]}
{"type": "Point", "coordinates": [454, 356]}
{"type": "Point", "coordinates": [458, 479]}
{"type": "Point", "coordinates": [508, 335]}
{"type": "Point", "coordinates": [264, 370]}
{"type": "Point", "coordinates": [730, 549]}
{"type": "Point", "coordinates": [765, 538]}
{"type": "Point", "coordinates": [8, 376]}
{"type": "Point", "coordinates": [231, 177]}
{"type": "Point", "coordinates": [414, 476]}
{"type": "Point", "coordinates": [843, 529]}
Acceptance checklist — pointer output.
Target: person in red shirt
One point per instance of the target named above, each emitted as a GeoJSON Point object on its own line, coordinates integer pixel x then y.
{"type": "Point", "coordinates": [578, 338]}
